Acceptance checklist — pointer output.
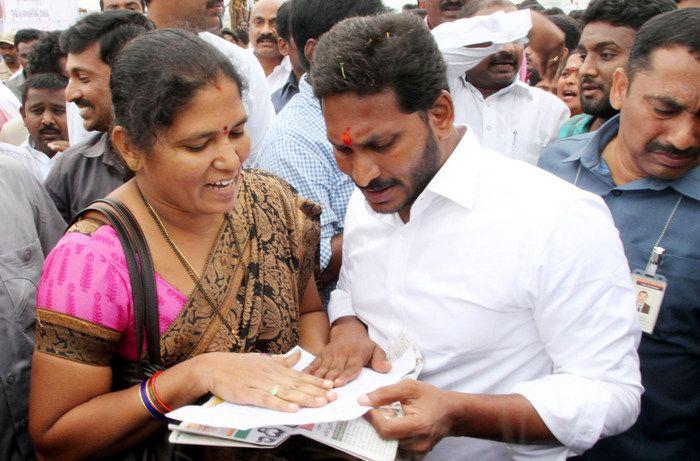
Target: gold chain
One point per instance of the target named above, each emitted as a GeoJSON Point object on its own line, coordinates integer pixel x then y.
{"type": "Point", "coordinates": [185, 263]}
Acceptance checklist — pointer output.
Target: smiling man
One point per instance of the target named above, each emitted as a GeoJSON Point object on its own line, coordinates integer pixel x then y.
{"type": "Point", "coordinates": [645, 164]}
{"type": "Point", "coordinates": [92, 169]}
{"type": "Point", "coordinates": [610, 27]}
{"type": "Point", "coordinates": [264, 37]}
{"type": "Point", "coordinates": [512, 283]}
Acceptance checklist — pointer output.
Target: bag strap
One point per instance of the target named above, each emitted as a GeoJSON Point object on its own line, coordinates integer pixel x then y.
{"type": "Point", "coordinates": [141, 273]}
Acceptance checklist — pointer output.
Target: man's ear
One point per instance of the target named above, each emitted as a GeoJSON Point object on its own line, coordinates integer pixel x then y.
{"type": "Point", "coordinates": [620, 85]}
{"type": "Point", "coordinates": [283, 46]}
{"type": "Point", "coordinates": [121, 140]}
{"type": "Point", "coordinates": [442, 115]}
{"type": "Point", "coordinates": [309, 49]}
{"type": "Point", "coordinates": [22, 113]}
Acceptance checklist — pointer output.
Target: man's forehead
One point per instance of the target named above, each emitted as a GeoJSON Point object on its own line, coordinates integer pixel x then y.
{"type": "Point", "coordinates": [265, 8]}
{"type": "Point", "coordinates": [46, 95]}
{"type": "Point", "coordinates": [599, 32]}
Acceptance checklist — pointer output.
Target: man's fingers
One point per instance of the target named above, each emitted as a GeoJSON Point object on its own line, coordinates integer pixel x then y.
{"type": "Point", "coordinates": [379, 362]}
{"type": "Point", "coordinates": [313, 366]}
{"type": "Point", "coordinates": [386, 395]}
{"type": "Point", "coordinates": [347, 375]}
{"type": "Point", "coordinates": [396, 428]}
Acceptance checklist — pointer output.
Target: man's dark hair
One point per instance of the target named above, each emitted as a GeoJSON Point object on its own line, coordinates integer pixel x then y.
{"type": "Point", "coordinates": [312, 18]}
{"type": "Point", "coordinates": [111, 29]}
{"type": "Point", "coordinates": [46, 54]}
{"type": "Point", "coordinates": [571, 29]}
{"type": "Point", "coordinates": [227, 31]}
{"type": "Point", "coordinates": [143, 5]}
{"type": "Point", "coordinates": [282, 21]}
{"type": "Point", "coordinates": [156, 76]}
{"type": "Point", "coordinates": [676, 28]}
{"type": "Point", "coordinates": [409, 6]}
{"type": "Point", "coordinates": [43, 81]}
{"type": "Point", "coordinates": [626, 13]}
{"type": "Point", "coordinates": [243, 36]}
{"type": "Point", "coordinates": [472, 7]}
{"type": "Point", "coordinates": [26, 35]}
{"type": "Point", "coordinates": [577, 15]}
{"type": "Point", "coordinates": [552, 11]}
{"type": "Point", "coordinates": [367, 55]}
{"type": "Point", "coordinates": [531, 4]}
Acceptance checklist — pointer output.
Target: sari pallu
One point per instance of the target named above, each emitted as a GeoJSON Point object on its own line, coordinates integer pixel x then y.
{"type": "Point", "coordinates": [256, 275]}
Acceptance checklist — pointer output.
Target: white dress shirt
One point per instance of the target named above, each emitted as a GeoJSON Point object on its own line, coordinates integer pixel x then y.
{"type": "Point", "coordinates": [279, 75]}
{"type": "Point", "coordinates": [509, 280]}
{"type": "Point", "coordinates": [37, 162]}
{"type": "Point", "coordinates": [256, 97]}
{"type": "Point", "coordinates": [517, 121]}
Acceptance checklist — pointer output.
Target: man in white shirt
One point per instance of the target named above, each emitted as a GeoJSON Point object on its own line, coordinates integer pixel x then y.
{"type": "Point", "coordinates": [203, 16]}
{"type": "Point", "coordinates": [440, 11]}
{"type": "Point", "coordinates": [263, 37]}
{"type": "Point", "coordinates": [44, 114]}
{"type": "Point", "coordinates": [513, 284]}
{"type": "Point", "coordinates": [505, 113]}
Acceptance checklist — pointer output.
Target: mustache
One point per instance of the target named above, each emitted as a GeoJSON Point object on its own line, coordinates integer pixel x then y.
{"type": "Point", "coordinates": [379, 184]}
{"type": "Point", "coordinates": [587, 79]}
{"type": "Point", "coordinates": [269, 37]}
{"type": "Point", "coordinates": [213, 3]}
{"type": "Point", "coordinates": [502, 57]}
{"type": "Point", "coordinates": [82, 102]}
{"type": "Point", "coordinates": [658, 146]}
{"type": "Point", "coordinates": [49, 129]}
{"type": "Point", "coordinates": [451, 4]}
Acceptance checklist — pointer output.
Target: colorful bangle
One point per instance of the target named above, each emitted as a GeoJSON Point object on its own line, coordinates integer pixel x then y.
{"type": "Point", "coordinates": [158, 400]}
{"type": "Point", "coordinates": [147, 404]}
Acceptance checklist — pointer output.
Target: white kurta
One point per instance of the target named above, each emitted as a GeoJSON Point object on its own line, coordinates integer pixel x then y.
{"type": "Point", "coordinates": [510, 281]}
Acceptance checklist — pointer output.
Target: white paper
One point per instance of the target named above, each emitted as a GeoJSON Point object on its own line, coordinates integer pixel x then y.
{"type": "Point", "coordinates": [344, 408]}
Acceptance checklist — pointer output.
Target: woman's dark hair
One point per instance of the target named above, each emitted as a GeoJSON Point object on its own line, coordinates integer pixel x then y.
{"type": "Point", "coordinates": [243, 36]}
{"type": "Point", "coordinates": [46, 54]}
{"type": "Point", "coordinates": [155, 77]}
{"type": "Point", "coordinates": [43, 81]}
{"type": "Point", "coordinates": [570, 27]}
{"type": "Point", "coordinates": [676, 28]}
{"type": "Point", "coordinates": [626, 13]}
{"type": "Point", "coordinates": [367, 55]}
{"type": "Point", "coordinates": [111, 29]}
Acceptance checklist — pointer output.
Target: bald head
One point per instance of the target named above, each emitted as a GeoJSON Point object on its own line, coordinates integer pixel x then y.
{"type": "Point", "coordinates": [263, 34]}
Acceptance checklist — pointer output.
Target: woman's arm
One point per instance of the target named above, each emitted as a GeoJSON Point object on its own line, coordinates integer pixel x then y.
{"type": "Point", "coordinates": [73, 414]}
{"type": "Point", "coordinates": [313, 322]}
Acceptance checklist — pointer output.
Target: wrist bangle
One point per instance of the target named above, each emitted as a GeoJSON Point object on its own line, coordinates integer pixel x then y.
{"type": "Point", "coordinates": [147, 404]}
{"type": "Point", "coordinates": [151, 387]}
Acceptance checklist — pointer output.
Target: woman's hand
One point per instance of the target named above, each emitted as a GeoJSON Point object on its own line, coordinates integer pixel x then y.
{"type": "Point", "coordinates": [263, 381]}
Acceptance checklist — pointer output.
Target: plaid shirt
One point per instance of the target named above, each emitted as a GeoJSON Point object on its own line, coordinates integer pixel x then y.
{"type": "Point", "coordinates": [296, 149]}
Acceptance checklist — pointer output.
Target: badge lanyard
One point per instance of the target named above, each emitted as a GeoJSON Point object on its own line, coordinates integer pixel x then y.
{"type": "Point", "coordinates": [650, 287]}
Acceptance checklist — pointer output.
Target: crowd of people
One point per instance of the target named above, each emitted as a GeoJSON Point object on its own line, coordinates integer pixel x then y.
{"type": "Point", "coordinates": [515, 189]}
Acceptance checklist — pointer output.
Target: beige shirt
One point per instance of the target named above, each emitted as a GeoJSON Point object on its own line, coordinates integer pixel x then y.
{"type": "Point", "coordinates": [5, 72]}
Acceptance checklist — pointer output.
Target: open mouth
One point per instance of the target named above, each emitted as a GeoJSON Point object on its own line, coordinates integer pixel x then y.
{"type": "Point", "coordinates": [222, 184]}
{"type": "Point", "coordinates": [568, 94]}
{"type": "Point", "coordinates": [216, 7]}
{"type": "Point", "coordinates": [378, 196]}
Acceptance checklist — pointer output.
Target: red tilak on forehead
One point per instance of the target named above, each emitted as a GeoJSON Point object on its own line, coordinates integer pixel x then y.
{"type": "Point", "coordinates": [347, 140]}
{"type": "Point", "coordinates": [225, 128]}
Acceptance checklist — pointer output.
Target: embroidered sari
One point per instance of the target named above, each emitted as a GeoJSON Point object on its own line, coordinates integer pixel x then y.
{"type": "Point", "coordinates": [256, 274]}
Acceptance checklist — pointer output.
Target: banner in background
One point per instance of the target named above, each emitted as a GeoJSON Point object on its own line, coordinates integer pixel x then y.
{"type": "Point", "coordinates": [37, 14]}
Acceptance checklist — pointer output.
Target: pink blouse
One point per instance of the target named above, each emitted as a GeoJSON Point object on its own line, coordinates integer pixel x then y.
{"type": "Point", "coordinates": [86, 277]}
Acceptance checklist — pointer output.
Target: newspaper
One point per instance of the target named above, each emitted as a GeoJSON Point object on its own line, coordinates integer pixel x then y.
{"type": "Point", "coordinates": [355, 437]}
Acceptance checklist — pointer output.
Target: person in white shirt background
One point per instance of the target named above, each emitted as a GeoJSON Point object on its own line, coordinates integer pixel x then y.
{"type": "Point", "coordinates": [44, 114]}
{"type": "Point", "coordinates": [264, 41]}
{"type": "Point", "coordinates": [512, 283]}
{"type": "Point", "coordinates": [506, 114]}
{"type": "Point", "coordinates": [439, 11]}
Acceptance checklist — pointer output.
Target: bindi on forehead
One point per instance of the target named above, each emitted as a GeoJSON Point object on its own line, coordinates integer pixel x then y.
{"type": "Point", "coordinates": [346, 138]}
{"type": "Point", "coordinates": [225, 130]}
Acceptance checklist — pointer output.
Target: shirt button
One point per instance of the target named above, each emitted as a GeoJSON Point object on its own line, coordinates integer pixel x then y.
{"type": "Point", "coordinates": [10, 379]}
{"type": "Point", "coordinates": [617, 192]}
{"type": "Point", "coordinates": [27, 255]}
{"type": "Point", "coordinates": [488, 128]}
{"type": "Point", "coordinates": [22, 424]}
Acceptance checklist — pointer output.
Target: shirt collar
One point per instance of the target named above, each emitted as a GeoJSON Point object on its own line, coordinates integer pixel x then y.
{"type": "Point", "coordinates": [590, 152]}
{"type": "Point", "coordinates": [102, 147]}
{"type": "Point", "coordinates": [521, 88]}
{"type": "Point", "coordinates": [457, 179]}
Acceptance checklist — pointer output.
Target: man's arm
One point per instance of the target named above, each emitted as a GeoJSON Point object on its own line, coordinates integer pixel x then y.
{"type": "Point", "coordinates": [332, 271]}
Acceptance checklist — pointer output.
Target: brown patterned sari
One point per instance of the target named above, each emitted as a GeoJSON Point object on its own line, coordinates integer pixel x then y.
{"type": "Point", "coordinates": [256, 275]}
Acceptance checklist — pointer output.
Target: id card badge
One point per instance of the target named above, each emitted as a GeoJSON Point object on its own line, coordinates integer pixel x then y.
{"type": "Point", "coordinates": [650, 290]}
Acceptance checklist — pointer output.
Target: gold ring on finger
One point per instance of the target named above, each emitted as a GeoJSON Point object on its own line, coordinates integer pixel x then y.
{"type": "Point", "coordinates": [274, 389]}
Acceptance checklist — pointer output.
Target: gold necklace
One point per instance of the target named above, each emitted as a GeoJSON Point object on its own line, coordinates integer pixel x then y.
{"type": "Point", "coordinates": [183, 260]}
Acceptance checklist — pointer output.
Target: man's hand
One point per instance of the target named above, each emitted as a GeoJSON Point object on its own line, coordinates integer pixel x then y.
{"type": "Point", "coordinates": [547, 42]}
{"type": "Point", "coordinates": [348, 351]}
{"type": "Point", "coordinates": [58, 146]}
{"type": "Point", "coordinates": [426, 418]}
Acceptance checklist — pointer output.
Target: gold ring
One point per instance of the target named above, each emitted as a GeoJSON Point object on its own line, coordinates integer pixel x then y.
{"type": "Point", "coordinates": [274, 389]}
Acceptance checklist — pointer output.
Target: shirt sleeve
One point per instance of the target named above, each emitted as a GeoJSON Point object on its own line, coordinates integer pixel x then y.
{"type": "Point", "coordinates": [49, 222]}
{"type": "Point", "coordinates": [83, 303]}
{"type": "Point", "coordinates": [57, 188]}
{"type": "Point", "coordinates": [456, 39]}
{"type": "Point", "coordinates": [340, 304]}
{"type": "Point", "coordinates": [584, 309]}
